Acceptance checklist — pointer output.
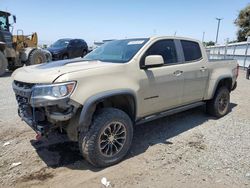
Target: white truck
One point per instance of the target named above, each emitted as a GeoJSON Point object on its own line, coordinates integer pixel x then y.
{"type": "Point", "coordinates": [99, 99]}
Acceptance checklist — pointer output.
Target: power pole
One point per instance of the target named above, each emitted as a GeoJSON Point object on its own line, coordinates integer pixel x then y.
{"type": "Point", "coordinates": [218, 28]}
{"type": "Point", "coordinates": [203, 36]}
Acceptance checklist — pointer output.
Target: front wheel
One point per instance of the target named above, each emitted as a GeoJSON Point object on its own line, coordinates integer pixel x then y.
{"type": "Point", "coordinates": [219, 105]}
{"type": "Point", "coordinates": [108, 139]}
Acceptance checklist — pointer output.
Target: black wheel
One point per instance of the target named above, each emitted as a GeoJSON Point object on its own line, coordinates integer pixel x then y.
{"type": "Point", "coordinates": [219, 105]}
{"type": "Point", "coordinates": [84, 53]}
{"type": "Point", "coordinates": [65, 56]}
{"type": "Point", "coordinates": [3, 64]}
{"type": "Point", "coordinates": [108, 139]}
{"type": "Point", "coordinates": [37, 56]}
{"type": "Point", "coordinates": [248, 73]}
{"type": "Point", "coordinates": [13, 67]}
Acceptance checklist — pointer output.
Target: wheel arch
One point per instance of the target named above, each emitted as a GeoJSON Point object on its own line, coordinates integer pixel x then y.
{"type": "Point", "coordinates": [108, 99]}
{"type": "Point", "coordinates": [223, 81]}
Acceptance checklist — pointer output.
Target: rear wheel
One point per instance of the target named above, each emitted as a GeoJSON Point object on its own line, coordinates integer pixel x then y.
{"type": "Point", "coordinates": [248, 73]}
{"type": "Point", "coordinates": [219, 105]}
{"type": "Point", "coordinates": [36, 57]}
{"type": "Point", "coordinates": [3, 64]}
{"type": "Point", "coordinates": [84, 53]}
{"type": "Point", "coordinates": [108, 139]}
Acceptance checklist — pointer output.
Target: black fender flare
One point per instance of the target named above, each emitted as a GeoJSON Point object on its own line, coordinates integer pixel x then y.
{"type": "Point", "coordinates": [217, 83]}
{"type": "Point", "coordinates": [90, 105]}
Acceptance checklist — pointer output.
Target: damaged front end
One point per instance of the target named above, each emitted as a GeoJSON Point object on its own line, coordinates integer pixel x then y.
{"type": "Point", "coordinates": [45, 107]}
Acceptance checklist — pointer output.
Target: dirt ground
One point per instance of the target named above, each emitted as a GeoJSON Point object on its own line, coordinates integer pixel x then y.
{"type": "Point", "coordinates": [189, 149]}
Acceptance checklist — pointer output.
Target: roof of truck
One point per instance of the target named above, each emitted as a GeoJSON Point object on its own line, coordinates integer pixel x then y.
{"type": "Point", "coordinates": [3, 12]}
{"type": "Point", "coordinates": [173, 37]}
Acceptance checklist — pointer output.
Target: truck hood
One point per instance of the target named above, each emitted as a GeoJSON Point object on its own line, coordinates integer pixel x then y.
{"type": "Point", "coordinates": [48, 72]}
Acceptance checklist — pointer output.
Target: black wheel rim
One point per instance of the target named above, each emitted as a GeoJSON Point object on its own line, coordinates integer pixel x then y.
{"type": "Point", "coordinates": [112, 139]}
{"type": "Point", "coordinates": [223, 102]}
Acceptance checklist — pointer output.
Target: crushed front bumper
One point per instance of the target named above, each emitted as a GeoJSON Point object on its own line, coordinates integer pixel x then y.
{"type": "Point", "coordinates": [42, 117]}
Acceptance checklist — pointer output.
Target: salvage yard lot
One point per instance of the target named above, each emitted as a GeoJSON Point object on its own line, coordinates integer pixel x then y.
{"type": "Point", "coordinates": [189, 149]}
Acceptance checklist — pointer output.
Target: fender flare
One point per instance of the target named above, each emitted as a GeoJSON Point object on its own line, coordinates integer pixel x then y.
{"type": "Point", "coordinates": [218, 81]}
{"type": "Point", "coordinates": [90, 105]}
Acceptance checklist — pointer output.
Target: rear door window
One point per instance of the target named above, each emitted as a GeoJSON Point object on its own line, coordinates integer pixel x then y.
{"type": "Point", "coordinates": [191, 50]}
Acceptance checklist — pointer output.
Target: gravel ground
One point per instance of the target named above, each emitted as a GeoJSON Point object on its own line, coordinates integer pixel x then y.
{"type": "Point", "coordinates": [189, 149]}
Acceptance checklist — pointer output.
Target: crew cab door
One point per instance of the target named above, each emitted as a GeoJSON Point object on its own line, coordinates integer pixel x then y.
{"type": "Point", "coordinates": [195, 72]}
{"type": "Point", "coordinates": [161, 87]}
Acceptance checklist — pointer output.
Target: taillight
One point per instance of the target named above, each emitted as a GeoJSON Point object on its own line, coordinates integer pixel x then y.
{"type": "Point", "coordinates": [237, 72]}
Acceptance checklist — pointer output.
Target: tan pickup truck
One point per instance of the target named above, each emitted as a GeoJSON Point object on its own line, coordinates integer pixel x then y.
{"type": "Point", "coordinates": [99, 99]}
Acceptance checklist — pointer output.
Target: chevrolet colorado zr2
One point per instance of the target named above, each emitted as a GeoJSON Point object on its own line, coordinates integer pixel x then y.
{"type": "Point", "coordinates": [99, 99]}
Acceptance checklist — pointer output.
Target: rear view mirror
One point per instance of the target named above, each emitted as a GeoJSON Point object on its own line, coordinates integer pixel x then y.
{"type": "Point", "coordinates": [14, 18]}
{"type": "Point", "coordinates": [154, 61]}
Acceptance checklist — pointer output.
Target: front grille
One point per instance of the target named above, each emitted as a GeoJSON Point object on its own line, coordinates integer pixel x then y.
{"type": "Point", "coordinates": [23, 85]}
{"type": "Point", "coordinates": [22, 89]}
{"type": "Point", "coordinates": [34, 117]}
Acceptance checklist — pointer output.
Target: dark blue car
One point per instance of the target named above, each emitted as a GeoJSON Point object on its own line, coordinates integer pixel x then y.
{"type": "Point", "coordinates": [68, 48]}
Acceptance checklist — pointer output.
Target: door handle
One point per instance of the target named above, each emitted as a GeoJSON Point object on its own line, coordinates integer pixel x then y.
{"type": "Point", "coordinates": [178, 73]}
{"type": "Point", "coordinates": [203, 69]}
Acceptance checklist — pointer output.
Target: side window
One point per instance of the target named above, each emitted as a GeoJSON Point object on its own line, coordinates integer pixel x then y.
{"type": "Point", "coordinates": [165, 48]}
{"type": "Point", "coordinates": [191, 50]}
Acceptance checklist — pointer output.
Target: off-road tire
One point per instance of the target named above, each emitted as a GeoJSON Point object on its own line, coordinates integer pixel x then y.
{"type": "Point", "coordinates": [213, 106]}
{"type": "Point", "coordinates": [89, 142]}
{"type": "Point", "coordinates": [3, 64]}
{"type": "Point", "coordinates": [37, 56]}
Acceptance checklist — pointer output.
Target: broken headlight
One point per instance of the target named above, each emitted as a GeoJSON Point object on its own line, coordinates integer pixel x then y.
{"type": "Point", "coordinates": [55, 91]}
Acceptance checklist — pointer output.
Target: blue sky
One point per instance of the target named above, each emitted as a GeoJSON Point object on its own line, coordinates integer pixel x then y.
{"type": "Point", "coordinates": [113, 19]}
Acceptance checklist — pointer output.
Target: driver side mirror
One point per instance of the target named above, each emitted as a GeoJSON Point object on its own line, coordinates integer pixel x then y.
{"type": "Point", "coordinates": [153, 61]}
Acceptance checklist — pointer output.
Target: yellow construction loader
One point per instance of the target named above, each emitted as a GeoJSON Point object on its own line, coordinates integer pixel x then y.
{"type": "Point", "coordinates": [18, 50]}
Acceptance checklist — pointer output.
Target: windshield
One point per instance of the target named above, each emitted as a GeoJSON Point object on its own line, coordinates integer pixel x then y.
{"type": "Point", "coordinates": [118, 51]}
{"type": "Point", "coordinates": [4, 23]}
{"type": "Point", "coordinates": [61, 43]}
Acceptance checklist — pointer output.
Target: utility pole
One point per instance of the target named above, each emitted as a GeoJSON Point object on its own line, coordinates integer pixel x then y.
{"type": "Point", "coordinates": [218, 28]}
{"type": "Point", "coordinates": [203, 36]}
